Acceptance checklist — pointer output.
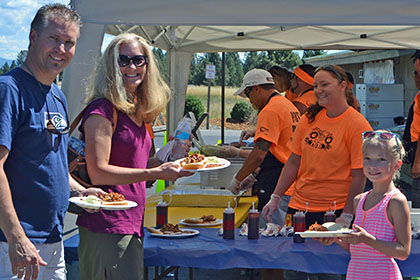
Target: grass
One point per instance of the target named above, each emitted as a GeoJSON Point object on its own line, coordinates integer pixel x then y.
{"type": "Point", "coordinates": [215, 99]}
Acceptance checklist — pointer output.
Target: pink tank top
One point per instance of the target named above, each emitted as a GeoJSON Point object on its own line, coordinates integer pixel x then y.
{"type": "Point", "coordinates": [366, 262]}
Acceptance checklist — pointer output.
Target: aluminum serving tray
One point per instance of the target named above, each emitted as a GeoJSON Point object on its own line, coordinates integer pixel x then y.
{"type": "Point", "coordinates": [200, 198]}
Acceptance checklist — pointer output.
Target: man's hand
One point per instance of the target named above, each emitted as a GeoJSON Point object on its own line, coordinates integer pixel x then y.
{"type": "Point", "coordinates": [248, 182]}
{"type": "Point", "coordinates": [270, 207]}
{"type": "Point", "coordinates": [229, 152]}
{"type": "Point", "coordinates": [24, 258]}
{"type": "Point", "coordinates": [345, 220]}
{"type": "Point", "coordinates": [246, 134]}
{"type": "Point", "coordinates": [235, 185]}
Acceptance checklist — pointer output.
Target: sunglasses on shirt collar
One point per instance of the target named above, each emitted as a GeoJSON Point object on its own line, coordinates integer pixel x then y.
{"type": "Point", "coordinates": [138, 60]}
{"type": "Point", "coordinates": [51, 127]}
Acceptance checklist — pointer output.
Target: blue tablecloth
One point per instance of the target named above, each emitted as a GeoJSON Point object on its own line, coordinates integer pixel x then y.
{"type": "Point", "coordinates": [208, 250]}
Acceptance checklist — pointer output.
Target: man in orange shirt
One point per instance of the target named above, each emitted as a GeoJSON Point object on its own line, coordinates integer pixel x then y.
{"type": "Point", "coordinates": [277, 119]}
{"type": "Point", "coordinates": [303, 85]}
{"type": "Point", "coordinates": [411, 135]}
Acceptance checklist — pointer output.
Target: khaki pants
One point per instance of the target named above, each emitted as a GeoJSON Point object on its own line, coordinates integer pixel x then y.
{"type": "Point", "coordinates": [110, 256]}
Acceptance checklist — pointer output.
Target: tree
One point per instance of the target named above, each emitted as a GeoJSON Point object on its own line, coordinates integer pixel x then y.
{"type": "Point", "coordinates": [309, 53]}
{"type": "Point", "coordinates": [234, 70]}
{"type": "Point", "coordinates": [160, 58]}
{"type": "Point", "coordinates": [266, 59]}
{"type": "Point", "coordinates": [20, 57]}
{"type": "Point", "coordinates": [4, 69]}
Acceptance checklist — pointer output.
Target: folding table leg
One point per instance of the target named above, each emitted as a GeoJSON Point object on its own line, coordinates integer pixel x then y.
{"type": "Point", "coordinates": [190, 273]}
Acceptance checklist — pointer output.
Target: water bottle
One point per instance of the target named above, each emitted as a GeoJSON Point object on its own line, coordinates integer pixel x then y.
{"type": "Point", "coordinates": [161, 214]}
{"type": "Point", "coordinates": [299, 225]}
{"type": "Point", "coordinates": [183, 130]}
{"type": "Point", "coordinates": [182, 133]}
{"type": "Point", "coordinates": [253, 222]}
{"type": "Point", "coordinates": [229, 223]}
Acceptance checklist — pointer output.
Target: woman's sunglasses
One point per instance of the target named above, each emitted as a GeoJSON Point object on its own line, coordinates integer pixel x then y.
{"type": "Point", "coordinates": [332, 69]}
{"type": "Point", "coordinates": [138, 60]}
{"type": "Point", "coordinates": [384, 136]}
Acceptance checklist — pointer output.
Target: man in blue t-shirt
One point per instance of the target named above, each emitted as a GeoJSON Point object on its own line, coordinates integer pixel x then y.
{"type": "Point", "coordinates": [34, 179]}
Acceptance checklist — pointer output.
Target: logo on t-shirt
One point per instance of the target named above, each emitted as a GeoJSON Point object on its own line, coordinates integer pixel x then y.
{"type": "Point", "coordinates": [57, 119]}
{"type": "Point", "coordinates": [319, 139]}
{"type": "Point", "coordinates": [264, 130]}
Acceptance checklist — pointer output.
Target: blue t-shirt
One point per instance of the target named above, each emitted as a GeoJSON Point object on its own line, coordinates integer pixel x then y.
{"type": "Point", "coordinates": [36, 168]}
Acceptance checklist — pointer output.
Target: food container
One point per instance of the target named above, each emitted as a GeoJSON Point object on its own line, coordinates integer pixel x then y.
{"type": "Point", "coordinates": [221, 178]}
{"type": "Point", "coordinates": [200, 198]}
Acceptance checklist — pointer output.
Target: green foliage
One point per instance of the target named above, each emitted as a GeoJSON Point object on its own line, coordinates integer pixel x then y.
{"type": "Point", "coordinates": [241, 111]}
{"type": "Point", "coordinates": [160, 58]}
{"type": "Point", "coordinates": [309, 53]}
{"type": "Point", "coordinates": [193, 104]}
{"type": "Point", "coordinates": [266, 59]}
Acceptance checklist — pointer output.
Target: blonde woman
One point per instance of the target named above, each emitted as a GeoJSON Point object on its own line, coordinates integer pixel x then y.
{"type": "Point", "coordinates": [127, 79]}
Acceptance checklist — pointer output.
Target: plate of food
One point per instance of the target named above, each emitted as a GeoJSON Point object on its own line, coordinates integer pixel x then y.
{"type": "Point", "coordinates": [203, 221]}
{"type": "Point", "coordinates": [199, 162]}
{"type": "Point", "coordinates": [329, 229]}
{"type": "Point", "coordinates": [172, 231]}
{"type": "Point", "coordinates": [109, 201]}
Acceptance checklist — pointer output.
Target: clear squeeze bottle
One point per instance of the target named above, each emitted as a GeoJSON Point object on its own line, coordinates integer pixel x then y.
{"type": "Point", "coordinates": [253, 222]}
{"type": "Point", "coordinates": [161, 214]}
{"type": "Point", "coordinates": [229, 223]}
{"type": "Point", "coordinates": [329, 216]}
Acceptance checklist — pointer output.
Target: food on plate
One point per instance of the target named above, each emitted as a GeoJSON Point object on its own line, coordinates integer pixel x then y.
{"type": "Point", "coordinates": [238, 144]}
{"type": "Point", "coordinates": [329, 226]}
{"type": "Point", "coordinates": [91, 199]}
{"type": "Point", "coordinates": [205, 219]}
{"type": "Point", "coordinates": [113, 198]}
{"type": "Point", "coordinates": [194, 161]}
{"type": "Point", "coordinates": [317, 227]}
{"type": "Point", "coordinates": [213, 162]}
{"type": "Point", "coordinates": [168, 229]}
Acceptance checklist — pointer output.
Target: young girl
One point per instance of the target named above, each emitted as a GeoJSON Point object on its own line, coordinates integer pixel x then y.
{"type": "Point", "coordinates": [381, 227]}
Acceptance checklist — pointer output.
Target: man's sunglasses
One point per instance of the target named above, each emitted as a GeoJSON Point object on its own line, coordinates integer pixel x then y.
{"type": "Point", "coordinates": [138, 60]}
{"type": "Point", "coordinates": [247, 91]}
{"type": "Point", "coordinates": [382, 135]}
{"type": "Point", "coordinates": [50, 124]}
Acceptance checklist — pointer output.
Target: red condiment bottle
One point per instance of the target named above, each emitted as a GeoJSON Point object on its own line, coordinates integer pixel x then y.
{"type": "Point", "coordinates": [299, 225]}
{"type": "Point", "coordinates": [253, 223]}
{"type": "Point", "coordinates": [229, 223]}
{"type": "Point", "coordinates": [161, 214]}
{"type": "Point", "coordinates": [329, 216]}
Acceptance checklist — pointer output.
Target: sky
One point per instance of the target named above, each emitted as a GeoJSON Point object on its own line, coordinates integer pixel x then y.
{"type": "Point", "coordinates": [15, 21]}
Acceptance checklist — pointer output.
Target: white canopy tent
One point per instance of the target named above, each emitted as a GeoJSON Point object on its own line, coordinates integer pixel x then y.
{"type": "Point", "coordinates": [184, 27]}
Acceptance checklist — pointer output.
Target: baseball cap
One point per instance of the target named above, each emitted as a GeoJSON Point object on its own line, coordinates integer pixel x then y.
{"type": "Point", "coordinates": [416, 55]}
{"type": "Point", "coordinates": [253, 78]}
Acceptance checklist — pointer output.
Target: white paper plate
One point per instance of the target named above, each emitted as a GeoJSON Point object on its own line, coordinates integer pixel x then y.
{"type": "Point", "coordinates": [80, 202]}
{"type": "Point", "coordinates": [320, 234]}
{"type": "Point", "coordinates": [225, 163]}
{"type": "Point", "coordinates": [190, 232]}
{"type": "Point", "coordinates": [217, 222]}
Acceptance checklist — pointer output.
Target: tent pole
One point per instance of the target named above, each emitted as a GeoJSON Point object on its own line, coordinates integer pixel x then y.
{"type": "Point", "coordinates": [223, 99]}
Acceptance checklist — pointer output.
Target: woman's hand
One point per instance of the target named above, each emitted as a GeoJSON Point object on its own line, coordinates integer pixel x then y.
{"type": "Point", "coordinates": [327, 240]}
{"type": "Point", "coordinates": [171, 171]}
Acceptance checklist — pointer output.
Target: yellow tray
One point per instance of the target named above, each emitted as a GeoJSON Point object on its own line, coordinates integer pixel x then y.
{"type": "Point", "coordinates": [199, 198]}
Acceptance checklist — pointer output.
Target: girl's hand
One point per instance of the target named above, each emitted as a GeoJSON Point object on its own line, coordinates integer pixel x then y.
{"type": "Point", "coordinates": [359, 235]}
{"type": "Point", "coordinates": [327, 240]}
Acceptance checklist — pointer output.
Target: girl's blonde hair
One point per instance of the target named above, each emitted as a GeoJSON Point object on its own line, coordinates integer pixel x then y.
{"type": "Point", "coordinates": [107, 82]}
{"type": "Point", "coordinates": [394, 147]}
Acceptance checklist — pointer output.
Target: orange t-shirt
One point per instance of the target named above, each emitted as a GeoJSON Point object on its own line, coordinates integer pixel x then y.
{"type": "Point", "coordinates": [290, 95]}
{"type": "Point", "coordinates": [329, 148]}
{"type": "Point", "coordinates": [415, 125]}
{"type": "Point", "coordinates": [307, 98]}
{"type": "Point", "coordinates": [149, 129]}
{"type": "Point", "coordinates": [276, 123]}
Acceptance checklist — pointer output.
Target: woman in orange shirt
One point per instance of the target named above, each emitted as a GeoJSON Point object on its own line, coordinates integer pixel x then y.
{"type": "Point", "coordinates": [326, 159]}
